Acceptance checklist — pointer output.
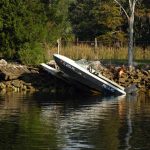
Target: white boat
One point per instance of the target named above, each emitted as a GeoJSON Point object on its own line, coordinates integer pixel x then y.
{"type": "Point", "coordinates": [85, 79]}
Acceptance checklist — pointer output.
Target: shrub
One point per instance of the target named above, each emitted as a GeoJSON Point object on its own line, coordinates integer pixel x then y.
{"type": "Point", "coordinates": [32, 55]}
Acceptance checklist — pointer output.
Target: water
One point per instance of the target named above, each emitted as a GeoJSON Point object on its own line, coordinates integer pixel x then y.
{"type": "Point", "coordinates": [45, 122]}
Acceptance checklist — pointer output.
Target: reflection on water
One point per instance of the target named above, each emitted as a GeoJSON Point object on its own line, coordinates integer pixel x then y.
{"type": "Point", "coordinates": [46, 122]}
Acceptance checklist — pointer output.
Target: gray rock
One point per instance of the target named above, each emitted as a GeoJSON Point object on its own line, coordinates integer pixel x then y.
{"type": "Point", "coordinates": [131, 89]}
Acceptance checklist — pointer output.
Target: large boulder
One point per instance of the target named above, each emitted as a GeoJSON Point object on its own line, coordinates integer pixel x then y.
{"type": "Point", "coordinates": [12, 71]}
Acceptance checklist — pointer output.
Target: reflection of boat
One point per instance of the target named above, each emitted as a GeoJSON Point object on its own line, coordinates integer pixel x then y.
{"type": "Point", "coordinates": [82, 76]}
{"type": "Point", "coordinates": [73, 121]}
{"type": "Point", "coordinates": [85, 112]}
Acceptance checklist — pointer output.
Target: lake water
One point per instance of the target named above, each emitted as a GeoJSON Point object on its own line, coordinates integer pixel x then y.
{"type": "Point", "coordinates": [47, 122]}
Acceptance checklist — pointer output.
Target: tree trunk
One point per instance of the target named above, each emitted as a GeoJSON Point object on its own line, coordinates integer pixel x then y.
{"type": "Point", "coordinates": [130, 47]}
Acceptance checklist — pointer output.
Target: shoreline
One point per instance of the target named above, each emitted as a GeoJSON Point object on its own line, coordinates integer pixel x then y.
{"type": "Point", "coordinates": [18, 78]}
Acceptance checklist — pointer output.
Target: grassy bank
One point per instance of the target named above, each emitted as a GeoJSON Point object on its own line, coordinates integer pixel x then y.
{"type": "Point", "coordinates": [102, 53]}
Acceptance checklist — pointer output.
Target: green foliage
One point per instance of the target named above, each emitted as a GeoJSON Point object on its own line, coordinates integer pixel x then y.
{"type": "Point", "coordinates": [142, 23]}
{"type": "Point", "coordinates": [84, 24]}
{"type": "Point", "coordinates": [24, 22]}
{"type": "Point", "coordinates": [113, 38]}
{"type": "Point", "coordinates": [32, 55]}
{"type": "Point", "coordinates": [58, 22]}
{"type": "Point", "coordinates": [110, 16]}
{"type": "Point", "coordinates": [91, 18]}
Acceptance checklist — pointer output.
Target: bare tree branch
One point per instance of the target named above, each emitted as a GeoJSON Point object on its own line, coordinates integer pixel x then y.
{"type": "Point", "coordinates": [130, 18]}
{"type": "Point", "coordinates": [122, 8]}
{"type": "Point", "coordinates": [133, 5]}
{"type": "Point", "coordinates": [130, 4]}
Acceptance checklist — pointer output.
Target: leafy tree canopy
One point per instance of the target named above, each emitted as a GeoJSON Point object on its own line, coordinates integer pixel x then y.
{"type": "Point", "coordinates": [93, 18]}
{"type": "Point", "coordinates": [26, 22]}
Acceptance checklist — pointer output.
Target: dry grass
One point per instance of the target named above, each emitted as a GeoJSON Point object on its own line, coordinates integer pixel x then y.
{"type": "Point", "coordinates": [102, 52]}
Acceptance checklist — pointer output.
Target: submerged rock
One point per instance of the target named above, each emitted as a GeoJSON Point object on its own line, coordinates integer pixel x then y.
{"type": "Point", "coordinates": [131, 89]}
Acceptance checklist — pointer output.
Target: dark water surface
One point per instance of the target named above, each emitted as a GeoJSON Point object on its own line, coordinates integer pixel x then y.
{"type": "Point", "coordinates": [45, 122]}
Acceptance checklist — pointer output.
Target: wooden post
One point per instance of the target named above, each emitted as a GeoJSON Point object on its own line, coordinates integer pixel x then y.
{"type": "Point", "coordinates": [58, 45]}
{"type": "Point", "coordinates": [95, 43]}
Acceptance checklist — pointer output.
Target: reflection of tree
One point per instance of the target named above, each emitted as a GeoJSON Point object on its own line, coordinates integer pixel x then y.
{"type": "Point", "coordinates": [37, 122]}
{"type": "Point", "coordinates": [106, 136]}
{"type": "Point", "coordinates": [129, 126]}
{"type": "Point", "coordinates": [36, 135]}
{"type": "Point", "coordinates": [141, 122]}
{"type": "Point", "coordinates": [10, 104]}
{"type": "Point", "coordinates": [24, 129]}
{"type": "Point", "coordinates": [137, 122]}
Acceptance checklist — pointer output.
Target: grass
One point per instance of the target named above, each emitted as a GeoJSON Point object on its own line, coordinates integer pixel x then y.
{"type": "Point", "coordinates": [100, 53]}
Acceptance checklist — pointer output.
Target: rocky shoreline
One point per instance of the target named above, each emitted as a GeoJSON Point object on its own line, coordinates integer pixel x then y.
{"type": "Point", "coordinates": [20, 78]}
{"type": "Point", "coordinates": [17, 78]}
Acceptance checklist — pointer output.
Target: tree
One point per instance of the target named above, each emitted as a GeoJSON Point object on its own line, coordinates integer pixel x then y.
{"type": "Point", "coordinates": [95, 18]}
{"type": "Point", "coordinates": [57, 19]}
{"type": "Point", "coordinates": [142, 25]}
{"type": "Point", "coordinates": [22, 25]}
{"type": "Point", "coordinates": [26, 24]}
{"type": "Point", "coordinates": [130, 16]}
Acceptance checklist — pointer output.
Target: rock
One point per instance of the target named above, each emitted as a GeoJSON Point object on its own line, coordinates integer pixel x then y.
{"type": "Point", "coordinates": [145, 72]}
{"type": "Point", "coordinates": [131, 89]}
{"type": "Point", "coordinates": [27, 84]}
{"type": "Point", "coordinates": [52, 63]}
{"type": "Point", "coordinates": [16, 83]}
{"type": "Point", "coordinates": [24, 88]}
{"type": "Point", "coordinates": [2, 86]}
{"type": "Point", "coordinates": [139, 73]}
{"type": "Point", "coordinates": [122, 80]}
{"type": "Point", "coordinates": [3, 62]}
{"type": "Point", "coordinates": [31, 88]}
{"type": "Point", "coordinates": [11, 71]}
{"type": "Point", "coordinates": [136, 81]}
{"type": "Point", "coordinates": [9, 88]}
{"type": "Point", "coordinates": [15, 77]}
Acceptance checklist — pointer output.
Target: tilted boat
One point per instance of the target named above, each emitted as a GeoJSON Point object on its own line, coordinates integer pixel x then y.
{"type": "Point", "coordinates": [85, 79]}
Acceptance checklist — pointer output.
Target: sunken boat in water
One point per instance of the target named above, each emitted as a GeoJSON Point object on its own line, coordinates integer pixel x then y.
{"type": "Point", "coordinates": [86, 80]}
